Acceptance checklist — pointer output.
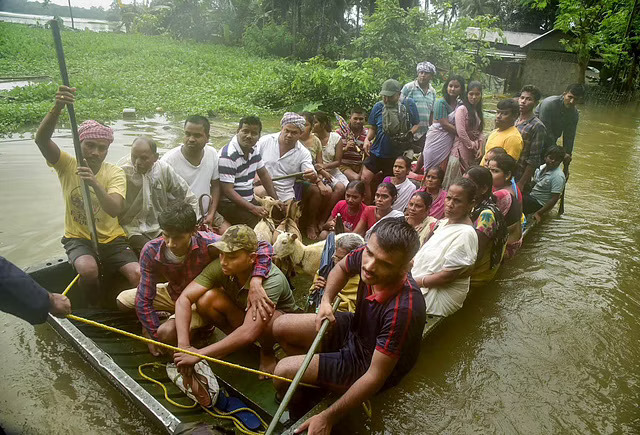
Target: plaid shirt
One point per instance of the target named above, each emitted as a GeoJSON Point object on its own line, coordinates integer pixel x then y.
{"type": "Point", "coordinates": [155, 268]}
{"type": "Point", "coordinates": [533, 134]}
{"type": "Point", "coordinates": [425, 102]}
{"type": "Point", "coordinates": [353, 156]}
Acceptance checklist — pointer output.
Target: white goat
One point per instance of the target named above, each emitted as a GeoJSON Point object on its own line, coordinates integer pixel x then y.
{"type": "Point", "coordinates": [305, 258]}
{"type": "Point", "coordinates": [265, 228]}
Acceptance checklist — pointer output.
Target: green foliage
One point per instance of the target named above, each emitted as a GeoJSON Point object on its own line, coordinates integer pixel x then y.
{"type": "Point", "coordinates": [405, 37]}
{"type": "Point", "coordinates": [183, 78]}
{"type": "Point", "coordinates": [270, 40]}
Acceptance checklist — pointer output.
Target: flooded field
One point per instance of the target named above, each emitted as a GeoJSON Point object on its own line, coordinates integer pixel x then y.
{"type": "Point", "coordinates": [550, 347]}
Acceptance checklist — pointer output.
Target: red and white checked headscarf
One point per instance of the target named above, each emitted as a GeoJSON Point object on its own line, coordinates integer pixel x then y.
{"type": "Point", "coordinates": [293, 119]}
{"type": "Point", "coordinates": [94, 130]}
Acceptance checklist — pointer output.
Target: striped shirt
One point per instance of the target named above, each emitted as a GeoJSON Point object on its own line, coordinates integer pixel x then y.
{"type": "Point", "coordinates": [533, 134]}
{"type": "Point", "coordinates": [424, 101]}
{"type": "Point", "coordinates": [239, 170]}
{"type": "Point", "coordinates": [156, 268]}
{"type": "Point", "coordinates": [389, 322]}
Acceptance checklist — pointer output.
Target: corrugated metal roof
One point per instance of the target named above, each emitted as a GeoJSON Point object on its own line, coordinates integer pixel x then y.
{"type": "Point", "coordinates": [516, 39]}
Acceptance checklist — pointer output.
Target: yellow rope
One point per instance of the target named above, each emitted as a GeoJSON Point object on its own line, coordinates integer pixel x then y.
{"type": "Point", "coordinates": [70, 285]}
{"type": "Point", "coordinates": [187, 352]}
{"type": "Point", "coordinates": [166, 393]}
{"type": "Point", "coordinates": [217, 414]}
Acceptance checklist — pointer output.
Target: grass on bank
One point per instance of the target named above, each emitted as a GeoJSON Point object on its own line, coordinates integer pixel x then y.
{"type": "Point", "coordinates": [114, 71]}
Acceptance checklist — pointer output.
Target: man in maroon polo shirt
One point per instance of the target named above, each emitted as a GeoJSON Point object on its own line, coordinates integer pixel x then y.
{"type": "Point", "coordinates": [371, 349]}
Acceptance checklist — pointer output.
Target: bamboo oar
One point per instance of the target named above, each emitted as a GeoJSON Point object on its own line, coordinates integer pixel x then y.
{"type": "Point", "coordinates": [566, 178]}
{"type": "Point", "coordinates": [284, 177]}
{"type": "Point", "coordinates": [86, 195]}
{"type": "Point", "coordinates": [300, 373]}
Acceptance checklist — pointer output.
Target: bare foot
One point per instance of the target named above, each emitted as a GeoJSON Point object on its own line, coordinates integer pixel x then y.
{"type": "Point", "coordinates": [268, 362]}
{"type": "Point", "coordinates": [312, 232]}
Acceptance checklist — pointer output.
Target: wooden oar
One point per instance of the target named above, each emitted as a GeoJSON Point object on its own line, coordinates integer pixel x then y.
{"type": "Point", "coordinates": [566, 176]}
{"type": "Point", "coordinates": [86, 195]}
{"type": "Point", "coordinates": [300, 373]}
{"type": "Point", "coordinates": [284, 177]}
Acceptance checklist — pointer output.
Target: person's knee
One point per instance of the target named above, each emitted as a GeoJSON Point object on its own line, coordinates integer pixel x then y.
{"type": "Point", "coordinates": [280, 328]}
{"type": "Point", "coordinates": [87, 268]}
{"type": "Point", "coordinates": [132, 272]}
{"type": "Point", "coordinates": [167, 332]}
{"type": "Point", "coordinates": [212, 305]}
{"type": "Point", "coordinates": [366, 176]}
{"type": "Point", "coordinates": [340, 189]}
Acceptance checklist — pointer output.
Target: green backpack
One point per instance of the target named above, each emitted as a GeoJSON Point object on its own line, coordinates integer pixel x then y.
{"type": "Point", "coordinates": [396, 124]}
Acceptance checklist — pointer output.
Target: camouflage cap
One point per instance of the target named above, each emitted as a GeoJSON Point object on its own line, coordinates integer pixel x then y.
{"type": "Point", "coordinates": [236, 238]}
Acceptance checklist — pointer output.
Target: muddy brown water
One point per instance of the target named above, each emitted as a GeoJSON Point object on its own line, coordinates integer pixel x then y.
{"type": "Point", "coordinates": [551, 346]}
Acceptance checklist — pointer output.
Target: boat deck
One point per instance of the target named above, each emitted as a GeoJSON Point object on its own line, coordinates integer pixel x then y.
{"type": "Point", "coordinates": [118, 358]}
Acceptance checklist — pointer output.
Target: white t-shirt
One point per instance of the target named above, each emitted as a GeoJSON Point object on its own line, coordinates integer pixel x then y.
{"type": "Point", "coordinates": [297, 159]}
{"type": "Point", "coordinates": [451, 247]}
{"type": "Point", "coordinates": [329, 155]}
{"type": "Point", "coordinates": [199, 177]}
{"type": "Point", "coordinates": [406, 189]}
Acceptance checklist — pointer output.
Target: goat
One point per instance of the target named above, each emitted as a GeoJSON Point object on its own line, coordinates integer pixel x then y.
{"type": "Point", "coordinates": [305, 258]}
{"type": "Point", "coordinates": [290, 222]}
{"type": "Point", "coordinates": [265, 228]}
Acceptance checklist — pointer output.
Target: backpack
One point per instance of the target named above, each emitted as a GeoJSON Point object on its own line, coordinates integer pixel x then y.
{"type": "Point", "coordinates": [396, 124]}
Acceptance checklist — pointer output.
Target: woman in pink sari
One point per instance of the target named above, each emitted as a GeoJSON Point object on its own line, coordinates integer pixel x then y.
{"type": "Point", "coordinates": [433, 186]}
{"type": "Point", "coordinates": [467, 147]}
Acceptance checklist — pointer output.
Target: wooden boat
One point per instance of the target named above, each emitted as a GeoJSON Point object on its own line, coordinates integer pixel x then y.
{"type": "Point", "coordinates": [117, 358]}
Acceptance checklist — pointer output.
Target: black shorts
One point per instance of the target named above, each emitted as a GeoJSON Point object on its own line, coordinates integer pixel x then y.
{"type": "Point", "coordinates": [378, 164]}
{"type": "Point", "coordinates": [113, 255]}
{"type": "Point", "coordinates": [137, 242]}
{"type": "Point", "coordinates": [234, 214]}
{"type": "Point", "coordinates": [342, 361]}
{"type": "Point", "coordinates": [530, 205]}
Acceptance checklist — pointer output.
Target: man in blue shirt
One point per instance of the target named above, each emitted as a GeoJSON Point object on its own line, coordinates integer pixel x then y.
{"type": "Point", "coordinates": [21, 296]}
{"type": "Point", "coordinates": [387, 120]}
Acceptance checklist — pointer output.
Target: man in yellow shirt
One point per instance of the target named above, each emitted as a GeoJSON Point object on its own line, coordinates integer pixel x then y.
{"type": "Point", "coordinates": [107, 184]}
{"type": "Point", "coordinates": [506, 135]}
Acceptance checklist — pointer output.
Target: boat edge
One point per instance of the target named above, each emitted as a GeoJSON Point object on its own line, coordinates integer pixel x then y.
{"type": "Point", "coordinates": [103, 363]}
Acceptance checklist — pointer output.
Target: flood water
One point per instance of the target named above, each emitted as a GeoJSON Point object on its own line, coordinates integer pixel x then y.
{"type": "Point", "coordinates": [551, 346]}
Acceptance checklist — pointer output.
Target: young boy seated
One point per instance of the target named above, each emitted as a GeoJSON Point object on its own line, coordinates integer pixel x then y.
{"type": "Point", "coordinates": [169, 263]}
{"type": "Point", "coordinates": [220, 295]}
{"type": "Point", "coordinates": [549, 184]}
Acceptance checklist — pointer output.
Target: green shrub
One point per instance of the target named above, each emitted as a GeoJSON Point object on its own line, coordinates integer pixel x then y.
{"type": "Point", "coordinates": [270, 40]}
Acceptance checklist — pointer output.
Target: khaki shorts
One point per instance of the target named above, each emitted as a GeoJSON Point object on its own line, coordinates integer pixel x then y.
{"type": "Point", "coordinates": [162, 302]}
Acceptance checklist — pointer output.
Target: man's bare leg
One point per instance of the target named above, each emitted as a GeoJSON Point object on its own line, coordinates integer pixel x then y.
{"type": "Point", "coordinates": [295, 332]}
{"type": "Point", "coordinates": [288, 367]}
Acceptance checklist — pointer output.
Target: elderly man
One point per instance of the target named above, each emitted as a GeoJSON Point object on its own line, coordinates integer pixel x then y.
{"type": "Point", "coordinates": [391, 121]}
{"type": "Point", "coordinates": [107, 184]}
{"type": "Point", "coordinates": [423, 94]}
{"type": "Point", "coordinates": [152, 186]}
{"type": "Point", "coordinates": [284, 155]}
{"type": "Point", "coordinates": [197, 164]}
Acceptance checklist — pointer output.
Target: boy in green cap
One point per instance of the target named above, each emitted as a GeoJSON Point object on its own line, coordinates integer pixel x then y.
{"type": "Point", "coordinates": [220, 294]}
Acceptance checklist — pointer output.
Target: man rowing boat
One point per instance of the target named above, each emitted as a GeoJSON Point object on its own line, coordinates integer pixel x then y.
{"type": "Point", "coordinates": [371, 349]}
{"type": "Point", "coordinates": [107, 184]}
